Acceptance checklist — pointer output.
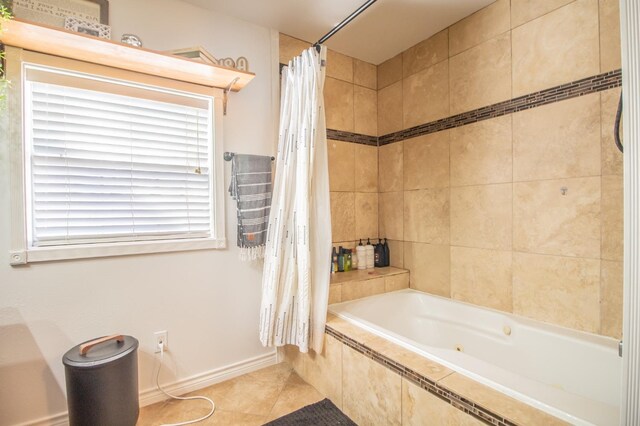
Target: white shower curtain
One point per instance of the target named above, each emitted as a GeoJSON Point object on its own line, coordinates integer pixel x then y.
{"type": "Point", "coordinates": [297, 262]}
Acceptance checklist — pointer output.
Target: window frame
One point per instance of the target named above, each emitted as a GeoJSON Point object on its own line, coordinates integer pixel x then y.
{"type": "Point", "coordinates": [21, 252]}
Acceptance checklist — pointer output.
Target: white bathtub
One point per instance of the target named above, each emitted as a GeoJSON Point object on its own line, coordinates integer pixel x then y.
{"type": "Point", "coordinates": [572, 375]}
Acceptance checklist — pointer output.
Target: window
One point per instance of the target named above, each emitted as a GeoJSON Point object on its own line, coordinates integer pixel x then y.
{"type": "Point", "coordinates": [116, 167]}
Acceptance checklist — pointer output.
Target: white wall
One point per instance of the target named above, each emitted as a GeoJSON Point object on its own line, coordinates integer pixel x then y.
{"type": "Point", "coordinates": [207, 300]}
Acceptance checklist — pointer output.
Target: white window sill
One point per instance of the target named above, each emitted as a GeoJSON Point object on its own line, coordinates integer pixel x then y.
{"type": "Point", "coordinates": [84, 251]}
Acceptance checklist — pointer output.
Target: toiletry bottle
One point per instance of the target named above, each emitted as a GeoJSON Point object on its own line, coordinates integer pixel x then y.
{"type": "Point", "coordinates": [334, 261]}
{"type": "Point", "coordinates": [340, 259]}
{"type": "Point", "coordinates": [354, 259]}
{"type": "Point", "coordinates": [369, 253]}
{"type": "Point", "coordinates": [362, 258]}
{"type": "Point", "coordinates": [387, 254]}
{"type": "Point", "coordinates": [347, 260]}
{"type": "Point", "coordinates": [379, 254]}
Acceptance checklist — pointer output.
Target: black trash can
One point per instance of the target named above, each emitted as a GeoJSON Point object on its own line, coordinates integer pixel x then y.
{"type": "Point", "coordinates": [102, 382]}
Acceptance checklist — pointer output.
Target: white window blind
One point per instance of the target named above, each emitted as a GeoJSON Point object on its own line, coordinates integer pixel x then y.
{"type": "Point", "coordinates": [106, 167]}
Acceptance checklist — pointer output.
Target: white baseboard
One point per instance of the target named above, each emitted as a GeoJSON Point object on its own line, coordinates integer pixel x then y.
{"type": "Point", "coordinates": [199, 381]}
{"type": "Point", "coordinates": [190, 384]}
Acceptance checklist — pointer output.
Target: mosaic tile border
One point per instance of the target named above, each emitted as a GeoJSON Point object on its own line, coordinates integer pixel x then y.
{"type": "Point", "coordinates": [343, 136]}
{"type": "Point", "coordinates": [585, 86]}
{"type": "Point", "coordinates": [457, 401]}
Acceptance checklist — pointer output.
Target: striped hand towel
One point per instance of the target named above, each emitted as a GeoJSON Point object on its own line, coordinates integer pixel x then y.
{"type": "Point", "coordinates": [251, 188]}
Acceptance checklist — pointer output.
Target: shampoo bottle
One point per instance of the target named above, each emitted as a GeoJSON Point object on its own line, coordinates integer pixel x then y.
{"type": "Point", "coordinates": [369, 253]}
{"type": "Point", "coordinates": [387, 254]}
{"type": "Point", "coordinates": [362, 258]}
{"type": "Point", "coordinates": [379, 255]}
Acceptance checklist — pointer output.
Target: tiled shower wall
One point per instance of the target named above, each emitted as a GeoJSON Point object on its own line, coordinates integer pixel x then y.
{"type": "Point", "coordinates": [523, 212]}
{"type": "Point", "coordinates": [351, 106]}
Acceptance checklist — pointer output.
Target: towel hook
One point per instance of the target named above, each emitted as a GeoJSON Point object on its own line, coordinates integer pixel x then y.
{"type": "Point", "coordinates": [225, 95]}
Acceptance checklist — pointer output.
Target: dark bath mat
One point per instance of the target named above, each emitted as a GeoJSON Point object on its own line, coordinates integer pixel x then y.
{"type": "Point", "coordinates": [322, 413]}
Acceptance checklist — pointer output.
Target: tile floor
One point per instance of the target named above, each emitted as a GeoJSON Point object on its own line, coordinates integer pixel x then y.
{"type": "Point", "coordinates": [252, 399]}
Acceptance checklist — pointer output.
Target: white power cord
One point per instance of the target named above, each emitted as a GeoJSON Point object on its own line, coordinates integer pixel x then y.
{"type": "Point", "coordinates": [185, 398]}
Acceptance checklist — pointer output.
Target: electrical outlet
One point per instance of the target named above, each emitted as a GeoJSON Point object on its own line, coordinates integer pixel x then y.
{"type": "Point", "coordinates": [161, 337]}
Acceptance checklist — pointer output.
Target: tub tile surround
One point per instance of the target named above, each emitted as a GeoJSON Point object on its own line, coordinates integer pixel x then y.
{"type": "Point", "coordinates": [531, 168]}
{"type": "Point", "coordinates": [371, 378]}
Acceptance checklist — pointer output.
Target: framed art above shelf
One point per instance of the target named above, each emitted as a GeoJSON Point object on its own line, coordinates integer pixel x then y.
{"type": "Point", "coordinates": [54, 12]}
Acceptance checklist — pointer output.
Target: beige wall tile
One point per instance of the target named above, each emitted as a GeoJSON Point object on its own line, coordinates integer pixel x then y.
{"type": "Point", "coordinates": [426, 216]}
{"type": "Point", "coordinates": [371, 393]}
{"type": "Point", "coordinates": [290, 47]}
{"type": "Point", "coordinates": [481, 216]}
{"type": "Point", "coordinates": [611, 156]}
{"type": "Point", "coordinates": [366, 215]}
{"type": "Point", "coordinates": [429, 267]}
{"type": "Point", "coordinates": [412, 360]}
{"type": "Point", "coordinates": [338, 98]}
{"type": "Point", "coordinates": [610, 53]}
{"type": "Point", "coordinates": [390, 109]}
{"type": "Point", "coordinates": [419, 408]}
{"type": "Point", "coordinates": [366, 169]}
{"type": "Point", "coordinates": [335, 293]}
{"type": "Point", "coordinates": [347, 328]}
{"type": "Point", "coordinates": [557, 48]}
{"type": "Point", "coordinates": [396, 252]}
{"type": "Point", "coordinates": [482, 277]}
{"type": "Point", "coordinates": [342, 165]}
{"type": "Point", "coordinates": [359, 289]}
{"type": "Point", "coordinates": [612, 218]}
{"type": "Point", "coordinates": [390, 71]}
{"type": "Point", "coordinates": [426, 53]}
{"type": "Point", "coordinates": [557, 289]}
{"type": "Point", "coordinates": [365, 104]}
{"type": "Point", "coordinates": [339, 66]}
{"type": "Point", "coordinates": [390, 160]}
{"type": "Point", "coordinates": [425, 95]}
{"type": "Point", "coordinates": [512, 409]}
{"type": "Point", "coordinates": [396, 282]}
{"type": "Point", "coordinates": [426, 161]}
{"type": "Point", "coordinates": [611, 299]}
{"type": "Point", "coordinates": [343, 216]}
{"type": "Point", "coordinates": [547, 222]}
{"type": "Point", "coordinates": [559, 140]}
{"type": "Point", "coordinates": [390, 214]}
{"type": "Point", "coordinates": [525, 10]}
{"type": "Point", "coordinates": [481, 76]}
{"type": "Point", "coordinates": [365, 74]}
{"type": "Point", "coordinates": [479, 27]}
{"type": "Point", "coordinates": [481, 153]}
{"type": "Point", "coordinates": [324, 370]}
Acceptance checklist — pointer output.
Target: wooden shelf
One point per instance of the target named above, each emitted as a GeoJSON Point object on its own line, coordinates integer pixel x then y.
{"type": "Point", "coordinates": [68, 44]}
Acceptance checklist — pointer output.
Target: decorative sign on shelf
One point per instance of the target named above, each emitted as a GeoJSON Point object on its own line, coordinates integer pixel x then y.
{"type": "Point", "coordinates": [200, 54]}
{"type": "Point", "coordinates": [55, 12]}
{"type": "Point", "coordinates": [86, 27]}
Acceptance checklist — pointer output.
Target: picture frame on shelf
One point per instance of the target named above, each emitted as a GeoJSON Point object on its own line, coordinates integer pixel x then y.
{"type": "Point", "coordinates": [55, 12]}
{"type": "Point", "coordinates": [86, 27]}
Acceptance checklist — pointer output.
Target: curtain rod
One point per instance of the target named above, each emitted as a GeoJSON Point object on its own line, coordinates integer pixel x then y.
{"type": "Point", "coordinates": [348, 19]}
